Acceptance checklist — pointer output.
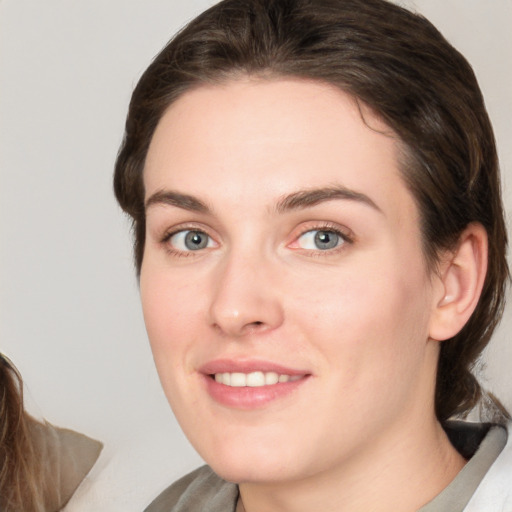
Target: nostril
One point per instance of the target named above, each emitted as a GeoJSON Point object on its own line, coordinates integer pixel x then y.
{"type": "Point", "coordinates": [256, 326]}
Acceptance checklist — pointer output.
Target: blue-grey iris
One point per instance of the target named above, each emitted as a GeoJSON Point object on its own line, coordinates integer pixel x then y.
{"type": "Point", "coordinates": [195, 240]}
{"type": "Point", "coordinates": [326, 239]}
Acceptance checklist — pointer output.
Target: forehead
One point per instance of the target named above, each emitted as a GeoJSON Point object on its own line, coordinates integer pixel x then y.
{"type": "Point", "coordinates": [258, 139]}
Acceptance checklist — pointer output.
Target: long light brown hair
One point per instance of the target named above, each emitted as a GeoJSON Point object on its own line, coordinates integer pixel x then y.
{"type": "Point", "coordinates": [22, 485]}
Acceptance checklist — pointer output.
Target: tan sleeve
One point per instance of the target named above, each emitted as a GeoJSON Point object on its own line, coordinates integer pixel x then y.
{"type": "Point", "coordinates": [67, 456]}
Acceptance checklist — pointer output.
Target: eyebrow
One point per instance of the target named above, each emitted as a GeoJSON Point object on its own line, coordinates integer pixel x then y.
{"type": "Point", "coordinates": [294, 201]}
{"type": "Point", "coordinates": [172, 198]}
{"type": "Point", "coordinates": [311, 197]}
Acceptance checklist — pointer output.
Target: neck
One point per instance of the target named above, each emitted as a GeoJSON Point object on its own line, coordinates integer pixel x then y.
{"type": "Point", "coordinates": [395, 474]}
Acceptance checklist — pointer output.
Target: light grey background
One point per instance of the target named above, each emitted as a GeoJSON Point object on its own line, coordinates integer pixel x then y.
{"type": "Point", "coordinates": [69, 306]}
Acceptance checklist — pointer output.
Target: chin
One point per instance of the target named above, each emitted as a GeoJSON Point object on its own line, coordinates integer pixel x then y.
{"type": "Point", "coordinates": [246, 471]}
{"type": "Point", "coordinates": [253, 462]}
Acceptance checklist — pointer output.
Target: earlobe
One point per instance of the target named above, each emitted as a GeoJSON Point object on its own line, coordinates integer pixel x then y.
{"type": "Point", "coordinates": [461, 281]}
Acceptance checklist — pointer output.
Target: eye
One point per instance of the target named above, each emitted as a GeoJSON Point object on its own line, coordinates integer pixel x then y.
{"type": "Point", "coordinates": [320, 240]}
{"type": "Point", "coordinates": [190, 240]}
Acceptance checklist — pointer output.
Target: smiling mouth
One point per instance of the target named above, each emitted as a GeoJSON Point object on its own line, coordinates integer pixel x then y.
{"type": "Point", "coordinates": [253, 379]}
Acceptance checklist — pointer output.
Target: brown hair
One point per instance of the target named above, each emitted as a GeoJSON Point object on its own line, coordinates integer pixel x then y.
{"type": "Point", "coordinates": [398, 64]}
{"type": "Point", "coordinates": [21, 484]}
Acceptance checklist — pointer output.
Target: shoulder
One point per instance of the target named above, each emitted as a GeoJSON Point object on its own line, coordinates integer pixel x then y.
{"type": "Point", "coordinates": [495, 490]}
{"type": "Point", "coordinates": [202, 490]}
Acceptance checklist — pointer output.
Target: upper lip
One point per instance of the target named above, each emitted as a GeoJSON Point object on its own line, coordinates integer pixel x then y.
{"type": "Point", "coordinates": [248, 366]}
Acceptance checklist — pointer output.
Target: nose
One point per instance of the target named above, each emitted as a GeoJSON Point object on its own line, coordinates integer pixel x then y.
{"type": "Point", "coordinates": [245, 297]}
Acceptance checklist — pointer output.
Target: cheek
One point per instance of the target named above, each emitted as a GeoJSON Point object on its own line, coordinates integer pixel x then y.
{"type": "Point", "coordinates": [373, 318]}
{"type": "Point", "coordinates": [170, 310]}
{"type": "Point", "coordinates": [172, 316]}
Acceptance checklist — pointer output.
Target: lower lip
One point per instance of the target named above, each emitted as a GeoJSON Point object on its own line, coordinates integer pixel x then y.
{"type": "Point", "coordinates": [249, 397]}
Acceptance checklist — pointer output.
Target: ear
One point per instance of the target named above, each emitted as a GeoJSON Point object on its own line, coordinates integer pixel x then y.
{"type": "Point", "coordinates": [461, 279]}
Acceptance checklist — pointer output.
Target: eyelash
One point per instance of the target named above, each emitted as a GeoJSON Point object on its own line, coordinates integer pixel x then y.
{"type": "Point", "coordinates": [345, 237]}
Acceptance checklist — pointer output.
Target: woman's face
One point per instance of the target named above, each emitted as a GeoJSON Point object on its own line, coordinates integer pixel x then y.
{"type": "Point", "coordinates": [283, 284]}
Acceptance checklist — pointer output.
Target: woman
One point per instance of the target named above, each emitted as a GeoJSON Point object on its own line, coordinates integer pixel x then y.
{"type": "Point", "coordinates": [321, 248]}
{"type": "Point", "coordinates": [40, 465]}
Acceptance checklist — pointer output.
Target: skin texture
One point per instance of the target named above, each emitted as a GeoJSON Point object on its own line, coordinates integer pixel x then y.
{"type": "Point", "coordinates": [355, 321]}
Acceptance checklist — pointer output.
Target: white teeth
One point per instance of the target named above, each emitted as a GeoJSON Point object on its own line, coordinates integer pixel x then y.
{"type": "Point", "coordinates": [271, 378]}
{"type": "Point", "coordinates": [238, 380]}
{"type": "Point", "coordinates": [253, 379]}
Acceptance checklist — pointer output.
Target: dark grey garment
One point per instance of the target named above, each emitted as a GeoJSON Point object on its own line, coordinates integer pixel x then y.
{"type": "Point", "coordinates": [203, 491]}
{"type": "Point", "coordinates": [199, 491]}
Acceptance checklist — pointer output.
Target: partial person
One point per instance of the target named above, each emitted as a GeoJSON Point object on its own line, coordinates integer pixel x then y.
{"type": "Point", "coordinates": [40, 465]}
